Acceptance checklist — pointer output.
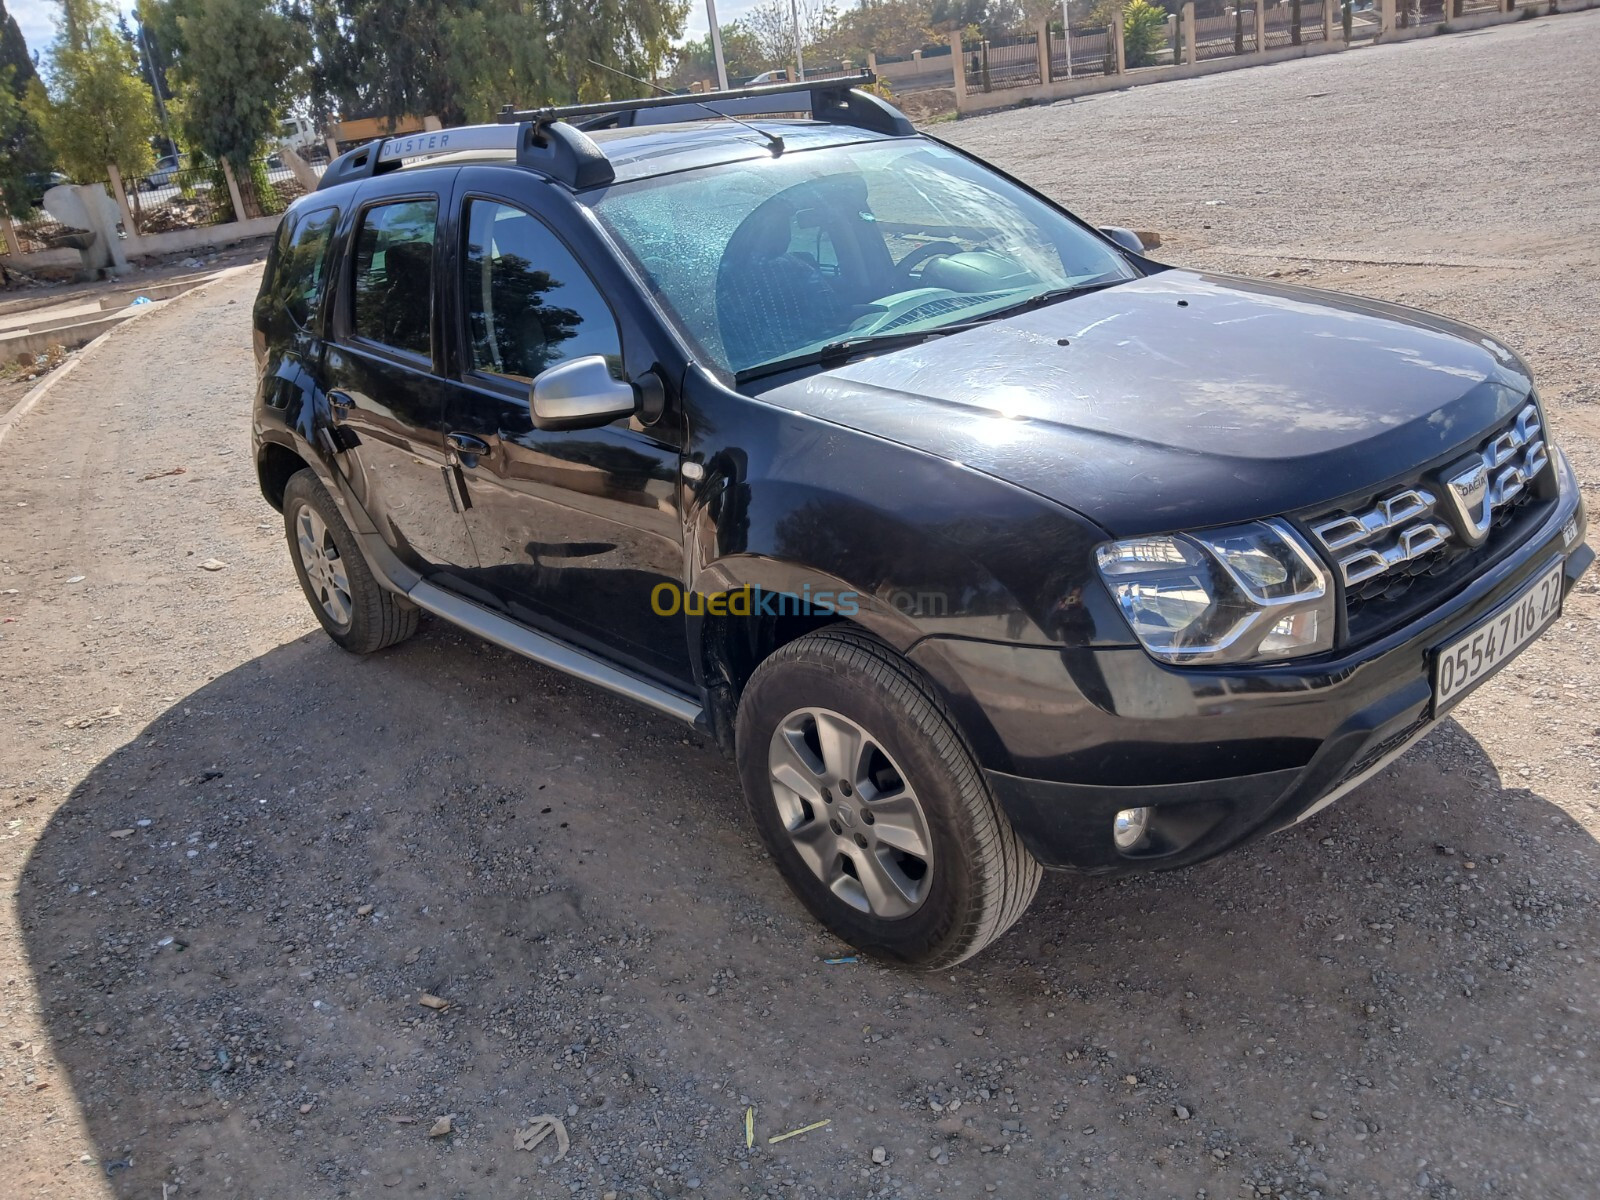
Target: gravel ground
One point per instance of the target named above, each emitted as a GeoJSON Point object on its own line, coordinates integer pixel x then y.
{"type": "Point", "coordinates": [235, 858]}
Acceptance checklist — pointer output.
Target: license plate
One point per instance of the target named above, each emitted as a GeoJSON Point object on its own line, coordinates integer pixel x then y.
{"type": "Point", "coordinates": [1479, 653]}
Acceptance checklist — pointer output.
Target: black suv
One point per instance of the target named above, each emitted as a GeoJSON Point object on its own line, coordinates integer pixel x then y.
{"type": "Point", "coordinates": [982, 541]}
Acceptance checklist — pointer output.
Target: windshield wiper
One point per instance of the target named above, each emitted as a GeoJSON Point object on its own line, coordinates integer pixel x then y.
{"type": "Point", "coordinates": [1049, 296]}
{"type": "Point", "coordinates": [836, 354]}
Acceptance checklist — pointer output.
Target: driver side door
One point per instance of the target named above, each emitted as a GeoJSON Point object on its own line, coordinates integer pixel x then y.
{"type": "Point", "coordinates": [574, 529]}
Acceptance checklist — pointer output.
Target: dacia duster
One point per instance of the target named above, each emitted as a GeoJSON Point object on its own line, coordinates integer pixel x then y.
{"type": "Point", "coordinates": [982, 541]}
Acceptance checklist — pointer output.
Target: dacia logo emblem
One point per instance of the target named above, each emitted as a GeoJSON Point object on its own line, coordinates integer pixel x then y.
{"type": "Point", "coordinates": [1467, 485]}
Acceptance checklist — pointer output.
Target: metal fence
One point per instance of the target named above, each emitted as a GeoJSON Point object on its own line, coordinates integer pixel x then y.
{"type": "Point", "coordinates": [1014, 62]}
{"type": "Point", "coordinates": [999, 64]}
{"type": "Point", "coordinates": [1091, 48]}
{"type": "Point", "coordinates": [1002, 63]}
{"type": "Point", "coordinates": [1230, 33]}
{"type": "Point", "coordinates": [1416, 14]}
{"type": "Point", "coordinates": [172, 199]}
{"type": "Point", "coordinates": [1284, 30]}
{"type": "Point", "coordinates": [279, 187]}
{"type": "Point", "coordinates": [183, 198]}
{"type": "Point", "coordinates": [921, 72]}
{"type": "Point", "coordinates": [196, 197]}
{"type": "Point", "coordinates": [38, 231]}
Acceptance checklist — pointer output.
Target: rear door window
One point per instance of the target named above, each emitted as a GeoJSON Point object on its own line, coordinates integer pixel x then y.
{"type": "Point", "coordinates": [394, 275]}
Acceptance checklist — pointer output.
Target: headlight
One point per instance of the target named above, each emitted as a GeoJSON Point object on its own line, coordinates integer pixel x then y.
{"type": "Point", "coordinates": [1246, 593]}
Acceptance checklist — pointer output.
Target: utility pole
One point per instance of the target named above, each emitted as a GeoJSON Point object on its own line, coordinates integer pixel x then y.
{"type": "Point", "coordinates": [155, 84]}
{"type": "Point", "coordinates": [716, 44]}
{"type": "Point", "coordinates": [799, 62]}
{"type": "Point", "coordinates": [1066, 34]}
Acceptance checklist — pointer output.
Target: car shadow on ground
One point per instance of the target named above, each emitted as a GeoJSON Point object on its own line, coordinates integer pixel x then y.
{"type": "Point", "coordinates": [232, 919]}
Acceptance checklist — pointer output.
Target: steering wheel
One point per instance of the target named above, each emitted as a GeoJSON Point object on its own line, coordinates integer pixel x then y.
{"type": "Point", "coordinates": [922, 254]}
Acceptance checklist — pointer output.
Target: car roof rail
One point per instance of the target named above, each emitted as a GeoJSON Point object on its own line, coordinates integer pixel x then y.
{"type": "Point", "coordinates": [360, 163]}
{"type": "Point", "coordinates": [558, 150]}
{"type": "Point", "coordinates": [836, 100]}
{"type": "Point", "coordinates": [552, 140]}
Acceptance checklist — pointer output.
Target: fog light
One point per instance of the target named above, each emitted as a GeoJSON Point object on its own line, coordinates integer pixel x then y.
{"type": "Point", "coordinates": [1128, 827]}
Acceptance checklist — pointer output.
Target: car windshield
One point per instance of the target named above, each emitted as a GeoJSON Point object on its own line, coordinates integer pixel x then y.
{"type": "Point", "coordinates": [760, 262]}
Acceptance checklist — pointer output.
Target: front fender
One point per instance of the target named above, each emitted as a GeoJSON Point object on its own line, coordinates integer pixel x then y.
{"type": "Point", "coordinates": [923, 545]}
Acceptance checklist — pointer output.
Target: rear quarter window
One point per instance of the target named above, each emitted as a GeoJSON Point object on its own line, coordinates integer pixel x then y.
{"type": "Point", "coordinates": [300, 266]}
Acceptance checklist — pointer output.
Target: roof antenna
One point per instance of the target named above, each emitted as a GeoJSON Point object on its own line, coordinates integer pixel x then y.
{"type": "Point", "coordinates": [774, 142]}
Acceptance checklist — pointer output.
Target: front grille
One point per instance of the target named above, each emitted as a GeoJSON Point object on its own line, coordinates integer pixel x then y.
{"type": "Point", "coordinates": [1395, 530]}
{"type": "Point", "coordinates": [1402, 547]}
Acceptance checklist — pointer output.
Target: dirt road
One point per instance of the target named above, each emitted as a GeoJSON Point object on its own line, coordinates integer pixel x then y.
{"type": "Point", "coordinates": [235, 857]}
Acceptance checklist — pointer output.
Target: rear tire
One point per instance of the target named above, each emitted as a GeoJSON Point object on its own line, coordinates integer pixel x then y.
{"type": "Point", "coordinates": [353, 607]}
{"type": "Point", "coordinates": [872, 805]}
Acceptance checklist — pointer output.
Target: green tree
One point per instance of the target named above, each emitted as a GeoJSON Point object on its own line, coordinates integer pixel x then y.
{"type": "Point", "coordinates": [236, 63]}
{"type": "Point", "coordinates": [886, 27]}
{"type": "Point", "coordinates": [493, 60]}
{"type": "Point", "coordinates": [991, 18]}
{"type": "Point", "coordinates": [23, 155]}
{"type": "Point", "coordinates": [23, 152]}
{"type": "Point", "coordinates": [951, 15]}
{"type": "Point", "coordinates": [635, 36]}
{"type": "Point", "coordinates": [78, 18]}
{"type": "Point", "coordinates": [394, 59]}
{"type": "Point", "coordinates": [461, 59]}
{"type": "Point", "coordinates": [14, 53]}
{"type": "Point", "coordinates": [98, 110]}
{"type": "Point", "coordinates": [694, 62]}
{"type": "Point", "coordinates": [772, 24]}
{"type": "Point", "coordinates": [158, 40]}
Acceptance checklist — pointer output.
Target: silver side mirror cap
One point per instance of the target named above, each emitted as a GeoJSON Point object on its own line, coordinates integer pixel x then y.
{"type": "Point", "coordinates": [580, 394]}
{"type": "Point", "coordinates": [1126, 238]}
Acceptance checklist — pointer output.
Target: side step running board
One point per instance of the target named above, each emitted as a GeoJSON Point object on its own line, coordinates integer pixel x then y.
{"type": "Point", "coordinates": [520, 640]}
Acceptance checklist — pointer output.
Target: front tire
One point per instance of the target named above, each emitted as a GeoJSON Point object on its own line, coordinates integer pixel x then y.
{"type": "Point", "coordinates": [354, 609]}
{"type": "Point", "coordinates": [871, 804]}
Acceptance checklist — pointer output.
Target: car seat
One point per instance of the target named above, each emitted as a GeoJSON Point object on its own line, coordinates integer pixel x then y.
{"type": "Point", "coordinates": [769, 301]}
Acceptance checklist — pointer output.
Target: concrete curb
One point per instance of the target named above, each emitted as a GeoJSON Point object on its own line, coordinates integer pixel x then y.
{"type": "Point", "coordinates": [38, 392]}
{"type": "Point", "coordinates": [71, 334]}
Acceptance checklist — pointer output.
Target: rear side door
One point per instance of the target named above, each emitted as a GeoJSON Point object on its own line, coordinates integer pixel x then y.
{"type": "Point", "coordinates": [288, 315]}
{"type": "Point", "coordinates": [574, 529]}
{"type": "Point", "coordinates": [383, 370]}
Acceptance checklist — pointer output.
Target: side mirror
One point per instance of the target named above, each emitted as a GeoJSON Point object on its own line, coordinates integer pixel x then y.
{"type": "Point", "coordinates": [1126, 238]}
{"type": "Point", "coordinates": [580, 394]}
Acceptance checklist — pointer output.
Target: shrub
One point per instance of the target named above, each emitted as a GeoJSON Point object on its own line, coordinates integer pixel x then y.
{"type": "Point", "coordinates": [1144, 31]}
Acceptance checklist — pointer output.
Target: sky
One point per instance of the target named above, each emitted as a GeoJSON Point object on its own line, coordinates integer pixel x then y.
{"type": "Point", "coordinates": [36, 19]}
{"type": "Point", "coordinates": [697, 24]}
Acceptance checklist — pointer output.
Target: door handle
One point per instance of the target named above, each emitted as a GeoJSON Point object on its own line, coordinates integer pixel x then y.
{"type": "Point", "coordinates": [340, 401]}
{"type": "Point", "coordinates": [465, 443]}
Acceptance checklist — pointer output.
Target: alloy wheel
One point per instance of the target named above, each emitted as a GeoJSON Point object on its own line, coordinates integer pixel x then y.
{"type": "Point", "coordinates": [324, 567]}
{"type": "Point", "coordinates": [850, 811]}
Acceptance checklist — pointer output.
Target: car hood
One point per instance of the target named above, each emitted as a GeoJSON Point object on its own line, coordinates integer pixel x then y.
{"type": "Point", "coordinates": [1183, 399]}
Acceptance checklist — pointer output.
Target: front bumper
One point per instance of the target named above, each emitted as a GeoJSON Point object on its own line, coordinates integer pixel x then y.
{"type": "Point", "coordinates": [1069, 738]}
